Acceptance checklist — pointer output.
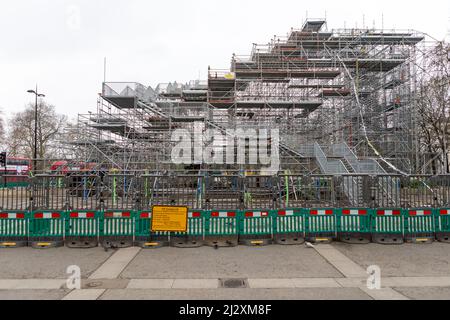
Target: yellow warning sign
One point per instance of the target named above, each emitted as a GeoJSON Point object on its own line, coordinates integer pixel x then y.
{"type": "Point", "coordinates": [169, 219]}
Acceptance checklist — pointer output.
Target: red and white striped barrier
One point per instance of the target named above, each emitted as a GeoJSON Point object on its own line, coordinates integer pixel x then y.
{"type": "Point", "coordinates": [82, 215]}
{"type": "Point", "coordinates": [146, 215]}
{"type": "Point", "coordinates": [223, 214]}
{"type": "Point", "coordinates": [125, 214]}
{"type": "Point", "coordinates": [389, 213]}
{"type": "Point", "coordinates": [349, 212]}
{"type": "Point", "coordinates": [420, 213]}
{"type": "Point", "coordinates": [47, 215]}
{"type": "Point", "coordinates": [257, 214]}
{"type": "Point", "coordinates": [321, 212]}
{"type": "Point", "coordinates": [284, 213]}
{"type": "Point", "coordinates": [444, 212]}
{"type": "Point", "coordinates": [194, 214]}
{"type": "Point", "coordinates": [6, 215]}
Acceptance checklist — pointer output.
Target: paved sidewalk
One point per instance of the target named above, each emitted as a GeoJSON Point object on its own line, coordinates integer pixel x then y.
{"type": "Point", "coordinates": [336, 271]}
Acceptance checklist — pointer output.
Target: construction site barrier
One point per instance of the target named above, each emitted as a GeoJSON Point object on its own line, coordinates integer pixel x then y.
{"type": "Point", "coordinates": [221, 228]}
{"type": "Point", "coordinates": [82, 229]}
{"type": "Point", "coordinates": [420, 226]}
{"type": "Point", "coordinates": [289, 226]}
{"type": "Point", "coordinates": [442, 223]}
{"type": "Point", "coordinates": [221, 191]}
{"type": "Point", "coordinates": [144, 237]}
{"type": "Point", "coordinates": [354, 225]}
{"type": "Point", "coordinates": [116, 229]}
{"type": "Point", "coordinates": [195, 234]}
{"type": "Point", "coordinates": [321, 225]}
{"type": "Point", "coordinates": [388, 226]}
{"type": "Point", "coordinates": [255, 228]}
{"type": "Point", "coordinates": [13, 229]}
{"type": "Point", "coordinates": [46, 229]}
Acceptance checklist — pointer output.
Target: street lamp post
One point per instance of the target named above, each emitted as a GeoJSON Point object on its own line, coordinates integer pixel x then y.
{"type": "Point", "coordinates": [37, 95]}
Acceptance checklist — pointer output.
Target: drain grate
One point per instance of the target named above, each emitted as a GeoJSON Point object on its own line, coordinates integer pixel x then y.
{"type": "Point", "coordinates": [233, 283]}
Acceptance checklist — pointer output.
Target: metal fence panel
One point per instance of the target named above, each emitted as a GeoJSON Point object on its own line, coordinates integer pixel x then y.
{"type": "Point", "coordinates": [49, 192]}
{"type": "Point", "coordinates": [16, 195]}
{"type": "Point", "coordinates": [261, 192]}
{"type": "Point", "coordinates": [223, 192]}
{"type": "Point", "coordinates": [83, 191]}
{"type": "Point", "coordinates": [307, 191]}
{"type": "Point", "coordinates": [172, 190]}
{"type": "Point", "coordinates": [119, 191]}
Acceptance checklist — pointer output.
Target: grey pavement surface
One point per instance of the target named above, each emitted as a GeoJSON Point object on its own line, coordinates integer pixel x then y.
{"type": "Point", "coordinates": [274, 272]}
{"type": "Point", "coordinates": [28, 263]}
{"type": "Point", "coordinates": [32, 294]}
{"type": "Point", "coordinates": [408, 260]}
{"type": "Point", "coordinates": [431, 293]}
{"type": "Point", "coordinates": [240, 294]}
{"type": "Point", "coordinates": [244, 262]}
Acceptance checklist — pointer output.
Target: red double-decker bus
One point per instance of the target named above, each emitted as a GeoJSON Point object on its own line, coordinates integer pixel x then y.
{"type": "Point", "coordinates": [16, 173]}
{"type": "Point", "coordinates": [16, 166]}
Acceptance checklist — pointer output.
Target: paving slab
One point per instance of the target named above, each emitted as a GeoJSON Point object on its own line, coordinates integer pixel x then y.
{"type": "Point", "coordinates": [384, 294]}
{"type": "Point", "coordinates": [114, 266]}
{"type": "Point", "coordinates": [430, 293]}
{"type": "Point", "coordinates": [32, 284]}
{"type": "Point", "coordinates": [28, 263]}
{"type": "Point", "coordinates": [91, 294]}
{"type": "Point", "coordinates": [238, 294]}
{"type": "Point", "coordinates": [408, 260]}
{"type": "Point", "coordinates": [32, 294]}
{"type": "Point", "coordinates": [341, 262]}
{"type": "Point", "coordinates": [239, 262]}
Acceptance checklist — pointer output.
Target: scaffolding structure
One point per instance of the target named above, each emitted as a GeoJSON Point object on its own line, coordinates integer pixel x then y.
{"type": "Point", "coordinates": [343, 100]}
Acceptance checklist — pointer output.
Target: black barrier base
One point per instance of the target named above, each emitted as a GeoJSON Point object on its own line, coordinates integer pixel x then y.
{"type": "Point", "coordinates": [388, 239]}
{"type": "Point", "coordinates": [45, 243]}
{"type": "Point", "coordinates": [153, 242]}
{"type": "Point", "coordinates": [81, 242]}
{"type": "Point", "coordinates": [186, 242]}
{"type": "Point", "coordinates": [443, 237]}
{"type": "Point", "coordinates": [424, 238]}
{"type": "Point", "coordinates": [320, 238]}
{"type": "Point", "coordinates": [255, 241]}
{"type": "Point", "coordinates": [222, 242]}
{"type": "Point", "coordinates": [355, 238]}
{"type": "Point", "coordinates": [116, 242]}
{"type": "Point", "coordinates": [289, 239]}
{"type": "Point", "coordinates": [13, 242]}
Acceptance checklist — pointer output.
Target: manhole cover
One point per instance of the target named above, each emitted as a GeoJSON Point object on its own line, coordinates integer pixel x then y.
{"type": "Point", "coordinates": [95, 284]}
{"type": "Point", "coordinates": [233, 283]}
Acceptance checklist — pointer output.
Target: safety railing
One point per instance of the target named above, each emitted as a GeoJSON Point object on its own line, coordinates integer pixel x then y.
{"type": "Point", "coordinates": [223, 191]}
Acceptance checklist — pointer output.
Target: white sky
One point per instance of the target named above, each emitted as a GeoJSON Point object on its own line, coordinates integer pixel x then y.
{"type": "Point", "coordinates": [61, 44]}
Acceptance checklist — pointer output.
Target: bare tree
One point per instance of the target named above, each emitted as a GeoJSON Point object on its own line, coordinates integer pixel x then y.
{"type": "Point", "coordinates": [2, 130]}
{"type": "Point", "coordinates": [433, 104]}
{"type": "Point", "coordinates": [20, 140]}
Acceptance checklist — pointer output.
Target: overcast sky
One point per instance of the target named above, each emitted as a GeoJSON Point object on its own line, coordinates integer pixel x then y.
{"type": "Point", "coordinates": [60, 44]}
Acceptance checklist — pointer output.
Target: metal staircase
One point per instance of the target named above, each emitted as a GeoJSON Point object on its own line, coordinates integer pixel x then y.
{"type": "Point", "coordinates": [348, 166]}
